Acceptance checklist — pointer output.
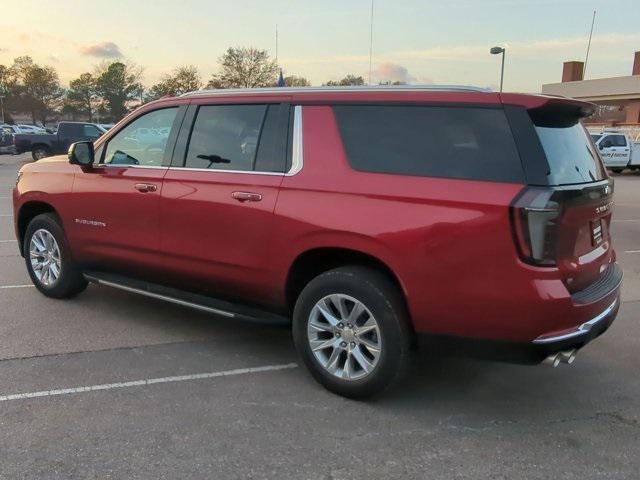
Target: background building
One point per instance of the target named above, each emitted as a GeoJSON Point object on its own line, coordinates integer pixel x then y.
{"type": "Point", "coordinates": [618, 98]}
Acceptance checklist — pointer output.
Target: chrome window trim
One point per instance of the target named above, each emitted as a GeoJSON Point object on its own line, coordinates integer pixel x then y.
{"type": "Point", "coordinates": [109, 165]}
{"type": "Point", "coordinates": [297, 147]}
{"type": "Point", "coordinates": [580, 330]}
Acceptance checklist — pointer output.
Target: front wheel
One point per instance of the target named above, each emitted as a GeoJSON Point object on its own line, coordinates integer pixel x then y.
{"type": "Point", "coordinates": [40, 152]}
{"type": "Point", "coordinates": [49, 262]}
{"type": "Point", "coordinates": [617, 170]}
{"type": "Point", "coordinates": [350, 328]}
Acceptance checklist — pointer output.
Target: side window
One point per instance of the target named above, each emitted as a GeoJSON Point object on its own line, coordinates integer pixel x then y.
{"type": "Point", "coordinates": [91, 131]}
{"type": "Point", "coordinates": [619, 141]}
{"type": "Point", "coordinates": [225, 137]}
{"type": "Point", "coordinates": [143, 141]}
{"type": "Point", "coordinates": [453, 142]}
{"type": "Point", "coordinates": [272, 149]}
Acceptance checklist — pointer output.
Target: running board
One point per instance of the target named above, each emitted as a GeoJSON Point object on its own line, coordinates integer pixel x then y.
{"type": "Point", "coordinates": [187, 299]}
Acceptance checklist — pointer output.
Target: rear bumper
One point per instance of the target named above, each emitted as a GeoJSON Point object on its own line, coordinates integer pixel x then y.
{"type": "Point", "coordinates": [524, 352]}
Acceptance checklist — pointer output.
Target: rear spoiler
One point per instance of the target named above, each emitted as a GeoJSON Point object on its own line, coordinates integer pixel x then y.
{"type": "Point", "coordinates": [552, 110]}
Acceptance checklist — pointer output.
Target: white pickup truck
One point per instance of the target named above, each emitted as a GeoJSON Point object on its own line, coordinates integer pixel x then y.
{"type": "Point", "coordinates": [618, 150]}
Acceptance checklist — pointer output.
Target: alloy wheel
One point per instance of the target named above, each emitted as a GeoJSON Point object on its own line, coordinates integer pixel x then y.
{"type": "Point", "coordinates": [44, 254]}
{"type": "Point", "coordinates": [344, 337]}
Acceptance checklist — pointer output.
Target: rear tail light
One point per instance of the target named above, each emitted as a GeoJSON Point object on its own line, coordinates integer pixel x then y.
{"type": "Point", "coordinates": [534, 217]}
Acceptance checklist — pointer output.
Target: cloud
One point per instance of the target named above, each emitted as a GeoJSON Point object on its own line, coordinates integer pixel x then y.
{"type": "Point", "coordinates": [101, 50]}
{"type": "Point", "coordinates": [392, 72]}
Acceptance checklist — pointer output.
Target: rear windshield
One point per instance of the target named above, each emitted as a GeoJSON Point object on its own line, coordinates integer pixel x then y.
{"type": "Point", "coordinates": [595, 137]}
{"type": "Point", "coordinates": [455, 142]}
{"type": "Point", "coordinates": [570, 154]}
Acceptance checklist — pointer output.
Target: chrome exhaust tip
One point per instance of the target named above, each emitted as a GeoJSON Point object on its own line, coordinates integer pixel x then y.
{"type": "Point", "coordinates": [568, 357]}
{"type": "Point", "coordinates": [552, 360]}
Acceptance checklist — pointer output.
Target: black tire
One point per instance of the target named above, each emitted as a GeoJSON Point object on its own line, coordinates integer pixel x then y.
{"type": "Point", "coordinates": [70, 281]}
{"type": "Point", "coordinates": [382, 298]}
{"type": "Point", "coordinates": [39, 152]}
{"type": "Point", "coordinates": [617, 170]}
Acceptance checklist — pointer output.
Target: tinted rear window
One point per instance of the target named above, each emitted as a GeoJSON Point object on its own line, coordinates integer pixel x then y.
{"type": "Point", "coordinates": [455, 142]}
{"type": "Point", "coordinates": [570, 154]}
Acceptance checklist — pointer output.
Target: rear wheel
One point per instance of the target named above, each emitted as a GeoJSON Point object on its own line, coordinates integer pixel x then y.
{"type": "Point", "coordinates": [39, 152]}
{"type": "Point", "coordinates": [48, 259]}
{"type": "Point", "coordinates": [351, 329]}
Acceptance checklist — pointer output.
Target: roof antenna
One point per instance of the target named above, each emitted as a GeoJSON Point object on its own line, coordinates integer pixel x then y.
{"type": "Point", "coordinates": [586, 58]}
{"type": "Point", "coordinates": [371, 42]}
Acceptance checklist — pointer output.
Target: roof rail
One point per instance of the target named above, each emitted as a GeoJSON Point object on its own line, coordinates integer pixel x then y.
{"type": "Point", "coordinates": [327, 89]}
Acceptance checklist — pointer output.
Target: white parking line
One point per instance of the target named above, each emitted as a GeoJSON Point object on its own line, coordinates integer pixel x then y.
{"type": "Point", "coordinates": [15, 286]}
{"type": "Point", "coordinates": [7, 241]}
{"type": "Point", "coordinates": [149, 381]}
{"type": "Point", "coordinates": [632, 251]}
{"type": "Point", "coordinates": [621, 221]}
{"type": "Point", "coordinates": [6, 215]}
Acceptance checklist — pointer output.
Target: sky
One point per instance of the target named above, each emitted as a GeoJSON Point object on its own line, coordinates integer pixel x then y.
{"type": "Point", "coordinates": [443, 42]}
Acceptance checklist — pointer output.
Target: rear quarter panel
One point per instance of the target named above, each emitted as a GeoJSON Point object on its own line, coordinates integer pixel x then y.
{"type": "Point", "coordinates": [448, 241]}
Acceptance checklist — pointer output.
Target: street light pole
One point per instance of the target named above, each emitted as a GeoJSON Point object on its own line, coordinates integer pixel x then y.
{"type": "Point", "coordinates": [496, 51]}
{"type": "Point", "coordinates": [2, 106]}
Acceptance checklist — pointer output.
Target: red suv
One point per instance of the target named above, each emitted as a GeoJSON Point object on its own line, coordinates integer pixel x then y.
{"type": "Point", "coordinates": [370, 218]}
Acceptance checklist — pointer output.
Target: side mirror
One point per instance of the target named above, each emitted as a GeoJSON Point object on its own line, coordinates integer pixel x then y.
{"type": "Point", "coordinates": [81, 153]}
{"type": "Point", "coordinates": [601, 146]}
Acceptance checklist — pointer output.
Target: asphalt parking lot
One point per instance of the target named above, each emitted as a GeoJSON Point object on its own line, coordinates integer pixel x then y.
{"type": "Point", "coordinates": [136, 388]}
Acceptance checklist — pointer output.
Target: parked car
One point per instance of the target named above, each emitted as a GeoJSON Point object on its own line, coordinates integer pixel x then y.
{"type": "Point", "coordinates": [618, 150]}
{"type": "Point", "coordinates": [45, 145]}
{"type": "Point", "coordinates": [6, 140]}
{"type": "Point", "coordinates": [31, 129]}
{"type": "Point", "coordinates": [374, 219]}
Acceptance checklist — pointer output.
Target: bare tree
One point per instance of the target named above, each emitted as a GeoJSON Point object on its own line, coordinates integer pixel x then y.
{"type": "Point", "coordinates": [181, 80]}
{"type": "Point", "coordinates": [245, 68]}
{"type": "Point", "coordinates": [295, 81]}
{"type": "Point", "coordinates": [346, 81]}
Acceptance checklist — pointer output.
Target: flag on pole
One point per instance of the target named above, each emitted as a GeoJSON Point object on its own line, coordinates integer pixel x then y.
{"type": "Point", "coordinates": [280, 80]}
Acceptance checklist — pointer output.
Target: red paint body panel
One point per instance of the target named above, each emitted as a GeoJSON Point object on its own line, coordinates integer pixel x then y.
{"type": "Point", "coordinates": [449, 242]}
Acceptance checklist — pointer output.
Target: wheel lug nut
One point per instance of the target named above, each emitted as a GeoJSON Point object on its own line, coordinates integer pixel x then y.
{"type": "Point", "coordinates": [341, 325]}
{"type": "Point", "coordinates": [337, 334]}
{"type": "Point", "coordinates": [349, 325]}
{"type": "Point", "coordinates": [343, 344]}
{"type": "Point", "coordinates": [353, 344]}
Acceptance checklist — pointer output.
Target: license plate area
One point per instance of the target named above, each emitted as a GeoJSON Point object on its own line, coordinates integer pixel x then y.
{"type": "Point", "coordinates": [596, 232]}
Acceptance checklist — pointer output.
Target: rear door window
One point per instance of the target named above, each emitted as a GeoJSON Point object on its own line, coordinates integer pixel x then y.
{"type": "Point", "coordinates": [454, 142]}
{"type": "Point", "coordinates": [570, 153]}
{"type": "Point", "coordinates": [238, 138]}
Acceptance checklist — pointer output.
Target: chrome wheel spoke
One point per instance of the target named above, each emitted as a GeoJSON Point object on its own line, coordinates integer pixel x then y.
{"type": "Point", "coordinates": [317, 345]}
{"type": "Point", "coordinates": [346, 370]}
{"type": "Point", "coordinates": [357, 310]}
{"type": "Point", "coordinates": [332, 362]}
{"type": "Point", "coordinates": [326, 313]}
{"type": "Point", "coordinates": [372, 346]}
{"type": "Point", "coordinates": [367, 327]}
{"type": "Point", "coordinates": [366, 364]}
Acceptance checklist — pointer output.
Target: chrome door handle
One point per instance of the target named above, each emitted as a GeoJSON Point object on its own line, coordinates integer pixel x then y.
{"type": "Point", "coordinates": [146, 187]}
{"type": "Point", "coordinates": [246, 196]}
